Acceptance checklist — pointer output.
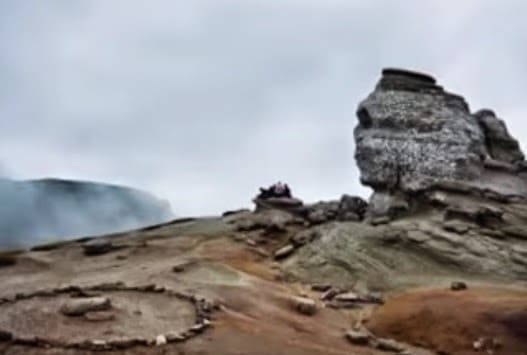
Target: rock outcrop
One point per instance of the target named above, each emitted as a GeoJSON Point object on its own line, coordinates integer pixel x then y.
{"type": "Point", "coordinates": [449, 200]}
{"type": "Point", "coordinates": [413, 135]}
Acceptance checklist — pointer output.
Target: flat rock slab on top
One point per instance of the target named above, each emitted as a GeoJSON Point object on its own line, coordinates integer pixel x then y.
{"type": "Point", "coordinates": [285, 202]}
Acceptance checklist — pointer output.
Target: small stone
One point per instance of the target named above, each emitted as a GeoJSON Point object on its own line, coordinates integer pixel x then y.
{"type": "Point", "coordinates": [304, 305]}
{"type": "Point", "coordinates": [161, 340]}
{"type": "Point", "coordinates": [389, 345]}
{"type": "Point", "coordinates": [159, 289]}
{"type": "Point", "coordinates": [197, 328]}
{"type": "Point", "coordinates": [251, 242]}
{"type": "Point", "coordinates": [174, 337]}
{"type": "Point", "coordinates": [347, 297]}
{"type": "Point", "coordinates": [458, 286]}
{"type": "Point", "coordinates": [358, 337]}
{"type": "Point", "coordinates": [479, 344]}
{"type": "Point", "coordinates": [417, 236]}
{"type": "Point", "coordinates": [179, 267]}
{"type": "Point", "coordinates": [78, 307]}
{"type": "Point", "coordinates": [284, 251]}
{"type": "Point", "coordinates": [329, 294]}
{"type": "Point", "coordinates": [99, 345]}
{"type": "Point", "coordinates": [97, 247]}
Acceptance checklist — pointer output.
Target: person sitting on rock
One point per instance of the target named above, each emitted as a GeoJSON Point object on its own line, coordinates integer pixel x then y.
{"type": "Point", "coordinates": [264, 193]}
{"type": "Point", "coordinates": [276, 190]}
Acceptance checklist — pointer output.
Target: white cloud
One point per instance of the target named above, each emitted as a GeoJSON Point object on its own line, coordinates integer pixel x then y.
{"type": "Point", "coordinates": [204, 101]}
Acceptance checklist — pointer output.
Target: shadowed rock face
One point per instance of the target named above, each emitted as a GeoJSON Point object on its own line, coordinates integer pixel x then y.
{"type": "Point", "coordinates": [412, 134]}
{"type": "Point", "coordinates": [500, 145]}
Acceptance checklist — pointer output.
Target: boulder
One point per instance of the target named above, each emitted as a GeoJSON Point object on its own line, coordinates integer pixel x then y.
{"type": "Point", "coordinates": [80, 306]}
{"type": "Point", "coordinates": [322, 211]}
{"type": "Point", "coordinates": [351, 208]}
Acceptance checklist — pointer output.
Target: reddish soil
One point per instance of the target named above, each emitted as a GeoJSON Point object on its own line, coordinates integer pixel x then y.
{"type": "Point", "coordinates": [449, 322]}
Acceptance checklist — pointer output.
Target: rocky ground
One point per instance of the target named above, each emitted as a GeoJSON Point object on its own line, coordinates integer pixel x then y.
{"type": "Point", "coordinates": [231, 281]}
{"type": "Point", "coordinates": [437, 267]}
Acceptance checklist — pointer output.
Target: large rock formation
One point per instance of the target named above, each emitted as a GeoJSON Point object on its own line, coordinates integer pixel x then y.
{"type": "Point", "coordinates": [450, 195]}
{"type": "Point", "coordinates": [413, 135]}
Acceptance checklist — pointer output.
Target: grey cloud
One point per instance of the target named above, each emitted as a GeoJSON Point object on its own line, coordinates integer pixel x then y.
{"type": "Point", "coordinates": [201, 102]}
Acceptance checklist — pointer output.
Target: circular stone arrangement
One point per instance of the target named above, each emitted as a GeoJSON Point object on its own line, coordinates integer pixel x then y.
{"type": "Point", "coordinates": [196, 318]}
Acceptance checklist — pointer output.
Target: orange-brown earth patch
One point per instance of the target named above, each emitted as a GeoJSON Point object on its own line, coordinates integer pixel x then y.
{"type": "Point", "coordinates": [450, 322]}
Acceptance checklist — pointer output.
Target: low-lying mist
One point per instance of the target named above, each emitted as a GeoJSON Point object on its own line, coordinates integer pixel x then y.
{"type": "Point", "coordinates": [39, 211]}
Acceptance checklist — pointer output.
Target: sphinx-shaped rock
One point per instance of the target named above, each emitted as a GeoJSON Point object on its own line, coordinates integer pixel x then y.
{"type": "Point", "coordinates": [413, 135]}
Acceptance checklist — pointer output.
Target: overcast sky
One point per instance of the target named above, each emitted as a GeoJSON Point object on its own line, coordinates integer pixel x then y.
{"type": "Point", "coordinates": [203, 101]}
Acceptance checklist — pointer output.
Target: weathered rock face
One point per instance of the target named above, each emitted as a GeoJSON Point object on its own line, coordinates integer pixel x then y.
{"type": "Point", "coordinates": [499, 143]}
{"type": "Point", "coordinates": [412, 135]}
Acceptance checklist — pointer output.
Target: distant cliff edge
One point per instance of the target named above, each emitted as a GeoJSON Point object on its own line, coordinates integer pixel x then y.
{"type": "Point", "coordinates": [35, 211]}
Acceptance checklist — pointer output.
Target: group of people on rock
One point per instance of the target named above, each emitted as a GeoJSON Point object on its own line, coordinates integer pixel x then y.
{"type": "Point", "coordinates": [276, 190]}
